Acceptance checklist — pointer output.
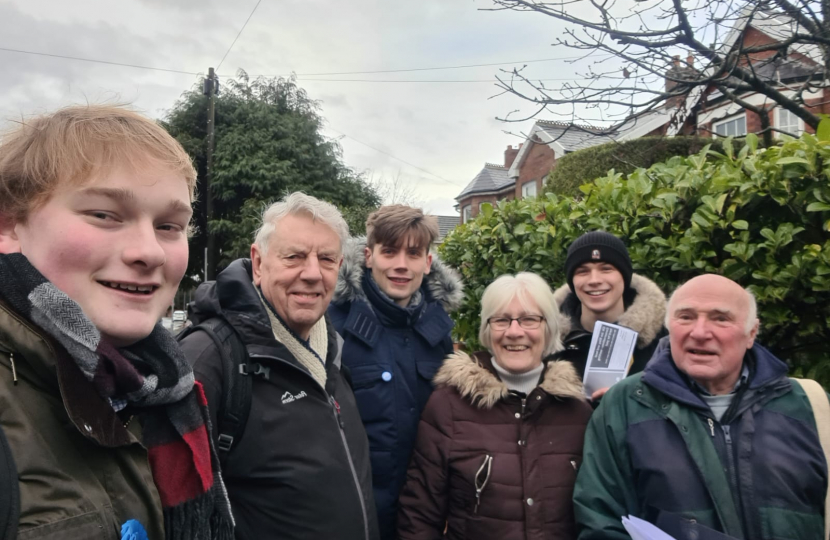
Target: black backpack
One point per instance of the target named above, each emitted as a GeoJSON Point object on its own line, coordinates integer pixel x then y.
{"type": "Point", "coordinates": [9, 492]}
{"type": "Point", "coordinates": [235, 405]}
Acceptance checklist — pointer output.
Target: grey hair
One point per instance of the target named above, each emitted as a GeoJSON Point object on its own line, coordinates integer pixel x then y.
{"type": "Point", "coordinates": [300, 203]}
{"type": "Point", "coordinates": [530, 289]}
{"type": "Point", "coordinates": [751, 312]}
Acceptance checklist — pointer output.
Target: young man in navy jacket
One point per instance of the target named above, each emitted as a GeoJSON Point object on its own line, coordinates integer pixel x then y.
{"type": "Point", "coordinates": [390, 306]}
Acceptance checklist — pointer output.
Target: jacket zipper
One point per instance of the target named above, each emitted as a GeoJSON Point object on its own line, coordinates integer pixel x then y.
{"type": "Point", "coordinates": [711, 426]}
{"type": "Point", "coordinates": [340, 425]}
{"type": "Point", "coordinates": [730, 460]}
{"type": "Point", "coordinates": [339, 419]}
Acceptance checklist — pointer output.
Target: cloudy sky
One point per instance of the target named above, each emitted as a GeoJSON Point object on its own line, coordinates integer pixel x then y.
{"type": "Point", "coordinates": [432, 128]}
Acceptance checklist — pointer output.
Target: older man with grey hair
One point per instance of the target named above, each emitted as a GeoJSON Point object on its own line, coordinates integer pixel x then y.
{"type": "Point", "coordinates": [712, 440]}
{"type": "Point", "coordinates": [294, 451]}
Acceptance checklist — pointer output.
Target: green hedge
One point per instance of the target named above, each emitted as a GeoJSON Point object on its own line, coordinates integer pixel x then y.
{"type": "Point", "coordinates": [760, 217]}
{"type": "Point", "coordinates": [577, 168]}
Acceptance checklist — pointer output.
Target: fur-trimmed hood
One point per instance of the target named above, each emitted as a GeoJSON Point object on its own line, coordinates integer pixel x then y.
{"type": "Point", "coordinates": [474, 381]}
{"type": "Point", "coordinates": [443, 283]}
{"type": "Point", "coordinates": [645, 315]}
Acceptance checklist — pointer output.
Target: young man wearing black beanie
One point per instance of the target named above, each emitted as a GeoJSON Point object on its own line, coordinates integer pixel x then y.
{"type": "Point", "coordinates": [602, 286]}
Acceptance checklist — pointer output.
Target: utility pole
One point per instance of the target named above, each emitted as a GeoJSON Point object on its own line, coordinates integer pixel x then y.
{"type": "Point", "coordinates": [210, 251]}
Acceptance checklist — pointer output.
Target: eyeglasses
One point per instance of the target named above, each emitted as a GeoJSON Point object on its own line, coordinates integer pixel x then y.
{"type": "Point", "coordinates": [528, 322]}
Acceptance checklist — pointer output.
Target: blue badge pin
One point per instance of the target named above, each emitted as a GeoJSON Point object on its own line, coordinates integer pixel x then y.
{"type": "Point", "coordinates": [386, 376]}
{"type": "Point", "coordinates": [133, 530]}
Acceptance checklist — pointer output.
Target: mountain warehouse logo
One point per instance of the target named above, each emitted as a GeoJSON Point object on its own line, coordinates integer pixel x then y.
{"type": "Point", "coordinates": [288, 398]}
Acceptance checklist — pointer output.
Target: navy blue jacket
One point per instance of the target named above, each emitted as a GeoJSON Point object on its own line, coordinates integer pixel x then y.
{"type": "Point", "coordinates": [393, 354]}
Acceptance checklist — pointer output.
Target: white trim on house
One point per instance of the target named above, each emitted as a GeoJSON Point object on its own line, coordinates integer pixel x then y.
{"type": "Point", "coordinates": [778, 124]}
{"type": "Point", "coordinates": [545, 137]}
{"type": "Point", "coordinates": [731, 120]}
{"type": "Point", "coordinates": [466, 213]}
{"type": "Point", "coordinates": [525, 187]}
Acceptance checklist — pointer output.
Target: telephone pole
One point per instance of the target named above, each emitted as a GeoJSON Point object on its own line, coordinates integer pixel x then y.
{"type": "Point", "coordinates": [210, 89]}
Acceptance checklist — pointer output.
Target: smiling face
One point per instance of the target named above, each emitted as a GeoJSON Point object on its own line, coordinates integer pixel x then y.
{"type": "Point", "coordinates": [116, 245]}
{"type": "Point", "coordinates": [518, 349]}
{"type": "Point", "coordinates": [707, 328]}
{"type": "Point", "coordinates": [599, 287]}
{"type": "Point", "coordinates": [399, 271]}
{"type": "Point", "coordinates": [298, 273]}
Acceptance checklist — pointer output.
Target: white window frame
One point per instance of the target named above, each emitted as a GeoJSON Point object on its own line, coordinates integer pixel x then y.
{"type": "Point", "coordinates": [466, 213]}
{"type": "Point", "coordinates": [735, 119]}
{"type": "Point", "coordinates": [786, 123]}
{"type": "Point", "coordinates": [525, 189]}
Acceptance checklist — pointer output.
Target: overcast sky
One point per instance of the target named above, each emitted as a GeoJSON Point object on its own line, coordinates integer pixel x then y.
{"type": "Point", "coordinates": [435, 135]}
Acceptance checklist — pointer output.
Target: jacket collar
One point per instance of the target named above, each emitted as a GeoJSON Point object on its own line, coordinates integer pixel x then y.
{"type": "Point", "coordinates": [474, 378]}
{"type": "Point", "coordinates": [42, 360]}
{"type": "Point", "coordinates": [442, 284]}
{"type": "Point", "coordinates": [645, 314]}
{"type": "Point", "coordinates": [662, 374]}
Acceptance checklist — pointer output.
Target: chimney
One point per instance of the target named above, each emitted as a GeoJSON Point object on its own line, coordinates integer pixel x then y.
{"type": "Point", "coordinates": [510, 155]}
{"type": "Point", "coordinates": [677, 71]}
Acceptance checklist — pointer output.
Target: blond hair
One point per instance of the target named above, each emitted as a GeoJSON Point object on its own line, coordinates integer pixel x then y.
{"type": "Point", "coordinates": [529, 288]}
{"type": "Point", "coordinates": [390, 225]}
{"type": "Point", "coordinates": [75, 144]}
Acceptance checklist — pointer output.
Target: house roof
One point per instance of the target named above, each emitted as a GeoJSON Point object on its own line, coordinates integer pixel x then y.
{"type": "Point", "coordinates": [491, 179]}
{"type": "Point", "coordinates": [446, 224]}
{"type": "Point", "coordinates": [779, 26]}
{"type": "Point", "coordinates": [562, 138]}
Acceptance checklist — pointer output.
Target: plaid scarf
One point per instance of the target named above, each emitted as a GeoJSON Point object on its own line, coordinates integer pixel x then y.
{"type": "Point", "coordinates": [153, 377]}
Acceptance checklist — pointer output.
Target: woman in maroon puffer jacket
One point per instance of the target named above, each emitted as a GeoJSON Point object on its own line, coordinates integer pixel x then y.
{"type": "Point", "coordinates": [500, 439]}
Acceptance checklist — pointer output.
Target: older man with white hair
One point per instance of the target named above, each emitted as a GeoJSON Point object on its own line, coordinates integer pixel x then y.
{"type": "Point", "coordinates": [712, 440]}
{"type": "Point", "coordinates": [298, 468]}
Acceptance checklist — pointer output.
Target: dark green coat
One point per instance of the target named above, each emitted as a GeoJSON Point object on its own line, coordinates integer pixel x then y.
{"type": "Point", "coordinates": [654, 450]}
{"type": "Point", "coordinates": [82, 474]}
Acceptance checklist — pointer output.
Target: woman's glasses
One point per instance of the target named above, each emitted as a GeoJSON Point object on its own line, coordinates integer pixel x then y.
{"type": "Point", "coordinates": [528, 322]}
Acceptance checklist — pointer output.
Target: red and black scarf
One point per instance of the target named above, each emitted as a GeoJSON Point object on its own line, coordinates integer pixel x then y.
{"type": "Point", "coordinates": [153, 378]}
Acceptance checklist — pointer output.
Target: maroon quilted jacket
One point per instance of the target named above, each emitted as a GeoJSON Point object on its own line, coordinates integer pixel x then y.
{"type": "Point", "coordinates": [491, 464]}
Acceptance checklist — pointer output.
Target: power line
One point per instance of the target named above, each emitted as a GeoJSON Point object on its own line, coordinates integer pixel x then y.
{"type": "Point", "coordinates": [64, 57]}
{"type": "Point", "coordinates": [447, 67]}
{"type": "Point", "coordinates": [239, 34]}
{"type": "Point", "coordinates": [436, 81]}
{"type": "Point", "coordinates": [397, 158]}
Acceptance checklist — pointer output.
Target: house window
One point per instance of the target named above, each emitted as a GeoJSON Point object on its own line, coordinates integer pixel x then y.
{"type": "Point", "coordinates": [789, 122]}
{"type": "Point", "coordinates": [734, 127]}
{"type": "Point", "coordinates": [529, 189]}
{"type": "Point", "coordinates": [466, 213]}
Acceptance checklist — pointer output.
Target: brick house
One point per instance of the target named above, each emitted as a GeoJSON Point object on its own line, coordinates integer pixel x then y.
{"type": "Point", "coordinates": [711, 113]}
{"type": "Point", "coordinates": [527, 166]}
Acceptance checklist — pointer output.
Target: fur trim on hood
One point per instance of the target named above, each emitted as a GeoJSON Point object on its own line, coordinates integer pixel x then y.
{"type": "Point", "coordinates": [444, 284]}
{"type": "Point", "coordinates": [477, 383]}
{"type": "Point", "coordinates": [645, 315]}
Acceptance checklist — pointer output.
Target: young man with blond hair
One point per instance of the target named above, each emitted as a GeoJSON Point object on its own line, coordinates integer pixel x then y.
{"type": "Point", "coordinates": [391, 306]}
{"type": "Point", "coordinates": [100, 419]}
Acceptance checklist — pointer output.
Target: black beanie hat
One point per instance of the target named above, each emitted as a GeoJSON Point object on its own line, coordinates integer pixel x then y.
{"type": "Point", "coordinates": [598, 246]}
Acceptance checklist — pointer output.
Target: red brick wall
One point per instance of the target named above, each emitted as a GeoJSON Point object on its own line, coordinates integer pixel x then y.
{"type": "Point", "coordinates": [539, 162]}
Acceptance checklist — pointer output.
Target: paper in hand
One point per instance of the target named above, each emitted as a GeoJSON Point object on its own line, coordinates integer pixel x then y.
{"type": "Point", "coordinates": [639, 529]}
{"type": "Point", "coordinates": [610, 356]}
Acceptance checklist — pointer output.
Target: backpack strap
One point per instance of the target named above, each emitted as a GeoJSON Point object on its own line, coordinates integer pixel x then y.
{"type": "Point", "coordinates": [821, 411]}
{"type": "Point", "coordinates": [235, 406]}
{"type": "Point", "coordinates": [9, 492]}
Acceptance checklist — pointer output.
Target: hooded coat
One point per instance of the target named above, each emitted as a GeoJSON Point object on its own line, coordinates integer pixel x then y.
{"type": "Point", "coordinates": [393, 354]}
{"type": "Point", "coordinates": [645, 310]}
{"type": "Point", "coordinates": [654, 450]}
{"type": "Point", "coordinates": [521, 452]}
{"type": "Point", "coordinates": [301, 468]}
